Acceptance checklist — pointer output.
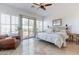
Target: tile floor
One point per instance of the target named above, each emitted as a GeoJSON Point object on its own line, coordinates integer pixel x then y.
{"type": "Point", "coordinates": [38, 47]}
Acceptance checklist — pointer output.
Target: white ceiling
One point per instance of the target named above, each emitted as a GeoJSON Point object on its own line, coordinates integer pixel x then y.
{"type": "Point", "coordinates": [28, 8]}
{"type": "Point", "coordinates": [58, 9]}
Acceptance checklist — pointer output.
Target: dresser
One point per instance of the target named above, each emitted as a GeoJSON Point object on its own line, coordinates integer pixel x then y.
{"type": "Point", "coordinates": [74, 37]}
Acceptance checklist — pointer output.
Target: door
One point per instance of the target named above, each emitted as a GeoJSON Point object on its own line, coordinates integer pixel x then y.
{"type": "Point", "coordinates": [31, 28]}
{"type": "Point", "coordinates": [27, 28]}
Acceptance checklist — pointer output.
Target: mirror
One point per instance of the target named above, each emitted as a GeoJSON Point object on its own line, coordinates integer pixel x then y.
{"type": "Point", "coordinates": [57, 22]}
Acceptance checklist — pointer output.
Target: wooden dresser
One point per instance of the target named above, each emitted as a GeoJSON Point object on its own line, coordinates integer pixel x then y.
{"type": "Point", "coordinates": [73, 37]}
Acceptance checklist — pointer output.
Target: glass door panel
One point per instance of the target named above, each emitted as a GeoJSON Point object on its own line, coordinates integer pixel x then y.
{"type": "Point", "coordinates": [25, 27]}
{"type": "Point", "coordinates": [31, 28]}
{"type": "Point", "coordinates": [39, 26]}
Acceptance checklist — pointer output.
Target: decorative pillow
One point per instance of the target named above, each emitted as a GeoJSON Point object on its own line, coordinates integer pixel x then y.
{"type": "Point", "coordinates": [8, 38]}
{"type": "Point", "coordinates": [55, 29]}
{"type": "Point", "coordinates": [49, 30]}
{"type": "Point", "coordinates": [58, 28]}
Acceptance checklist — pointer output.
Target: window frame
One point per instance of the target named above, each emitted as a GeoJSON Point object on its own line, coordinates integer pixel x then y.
{"type": "Point", "coordinates": [10, 23]}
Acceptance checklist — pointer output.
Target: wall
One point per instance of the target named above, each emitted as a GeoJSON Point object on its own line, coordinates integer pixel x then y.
{"type": "Point", "coordinates": [47, 23]}
{"type": "Point", "coordinates": [72, 21]}
{"type": "Point", "coordinates": [69, 14]}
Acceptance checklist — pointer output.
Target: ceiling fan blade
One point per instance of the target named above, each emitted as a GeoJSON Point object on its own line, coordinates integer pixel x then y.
{"type": "Point", "coordinates": [36, 4]}
{"type": "Point", "coordinates": [43, 8]}
{"type": "Point", "coordinates": [48, 4]}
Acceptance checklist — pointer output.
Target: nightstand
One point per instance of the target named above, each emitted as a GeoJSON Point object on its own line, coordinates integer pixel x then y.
{"type": "Point", "coordinates": [71, 36]}
{"type": "Point", "coordinates": [77, 38]}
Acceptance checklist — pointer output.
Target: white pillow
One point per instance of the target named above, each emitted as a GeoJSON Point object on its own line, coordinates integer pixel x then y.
{"type": "Point", "coordinates": [49, 30]}
{"type": "Point", "coordinates": [58, 28]}
{"type": "Point", "coordinates": [62, 32]}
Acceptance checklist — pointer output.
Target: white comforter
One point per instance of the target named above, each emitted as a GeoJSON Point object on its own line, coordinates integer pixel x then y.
{"type": "Point", "coordinates": [58, 38]}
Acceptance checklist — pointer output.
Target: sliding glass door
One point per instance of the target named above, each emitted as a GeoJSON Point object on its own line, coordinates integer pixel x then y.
{"type": "Point", "coordinates": [39, 26]}
{"type": "Point", "coordinates": [31, 28]}
{"type": "Point", "coordinates": [27, 27]}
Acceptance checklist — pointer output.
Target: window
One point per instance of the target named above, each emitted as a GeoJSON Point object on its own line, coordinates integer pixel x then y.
{"type": "Point", "coordinates": [14, 24]}
{"type": "Point", "coordinates": [39, 26]}
{"type": "Point", "coordinates": [5, 24]}
{"type": "Point", "coordinates": [9, 24]}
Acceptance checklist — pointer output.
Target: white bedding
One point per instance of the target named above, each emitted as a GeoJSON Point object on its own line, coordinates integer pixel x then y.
{"type": "Point", "coordinates": [58, 38]}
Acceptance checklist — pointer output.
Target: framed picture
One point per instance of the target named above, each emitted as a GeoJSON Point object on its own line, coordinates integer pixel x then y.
{"type": "Point", "coordinates": [57, 22]}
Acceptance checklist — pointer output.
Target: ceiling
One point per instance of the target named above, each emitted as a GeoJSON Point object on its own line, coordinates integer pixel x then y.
{"type": "Point", "coordinates": [28, 8]}
{"type": "Point", "coordinates": [57, 9]}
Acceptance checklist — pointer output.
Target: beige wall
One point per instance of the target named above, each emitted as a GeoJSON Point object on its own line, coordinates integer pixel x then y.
{"type": "Point", "coordinates": [69, 14]}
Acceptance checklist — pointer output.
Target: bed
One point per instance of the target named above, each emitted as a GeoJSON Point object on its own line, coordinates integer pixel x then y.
{"type": "Point", "coordinates": [58, 38]}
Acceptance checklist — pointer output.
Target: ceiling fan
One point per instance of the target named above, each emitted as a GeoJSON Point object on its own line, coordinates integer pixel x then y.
{"type": "Point", "coordinates": [42, 5]}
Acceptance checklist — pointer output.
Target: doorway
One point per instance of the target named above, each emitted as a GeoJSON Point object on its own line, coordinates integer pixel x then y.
{"type": "Point", "coordinates": [27, 28]}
